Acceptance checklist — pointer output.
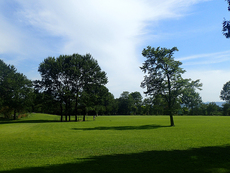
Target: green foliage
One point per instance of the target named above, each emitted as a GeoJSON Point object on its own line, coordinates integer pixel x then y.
{"type": "Point", "coordinates": [129, 103]}
{"type": "Point", "coordinates": [125, 103]}
{"type": "Point", "coordinates": [225, 92]}
{"type": "Point", "coordinates": [226, 24]}
{"type": "Point", "coordinates": [15, 91]}
{"type": "Point", "coordinates": [212, 108]}
{"type": "Point", "coordinates": [40, 143]}
{"type": "Point", "coordinates": [226, 109]}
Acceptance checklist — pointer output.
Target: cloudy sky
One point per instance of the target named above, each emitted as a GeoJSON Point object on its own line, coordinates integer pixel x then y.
{"type": "Point", "coordinates": [115, 32]}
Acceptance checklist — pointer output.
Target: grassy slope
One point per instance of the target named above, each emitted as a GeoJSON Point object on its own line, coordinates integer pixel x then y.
{"type": "Point", "coordinates": [116, 144]}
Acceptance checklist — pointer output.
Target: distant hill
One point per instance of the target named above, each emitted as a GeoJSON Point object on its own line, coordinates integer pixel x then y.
{"type": "Point", "coordinates": [218, 103]}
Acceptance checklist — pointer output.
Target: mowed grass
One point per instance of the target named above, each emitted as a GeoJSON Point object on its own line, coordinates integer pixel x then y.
{"type": "Point", "coordinates": [40, 143]}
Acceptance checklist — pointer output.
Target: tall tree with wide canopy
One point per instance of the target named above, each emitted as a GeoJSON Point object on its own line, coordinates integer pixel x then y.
{"type": "Point", "coordinates": [164, 76]}
{"type": "Point", "coordinates": [66, 77]}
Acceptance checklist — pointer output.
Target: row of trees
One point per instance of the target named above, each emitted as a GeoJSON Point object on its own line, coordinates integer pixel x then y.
{"type": "Point", "coordinates": [129, 104]}
{"type": "Point", "coordinates": [133, 104]}
{"type": "Point", "coordinates": [75, 85]}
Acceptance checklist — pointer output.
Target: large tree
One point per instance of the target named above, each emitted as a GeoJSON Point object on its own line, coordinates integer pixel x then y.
{"type": "Point", "coordinates": [163, 77]}
{"type": "Point", "coordinates": [226, 24]}
{"type": "Point", "coordinates": [66, 78]}
{"type": "Point", "coordinates": [15, 90]}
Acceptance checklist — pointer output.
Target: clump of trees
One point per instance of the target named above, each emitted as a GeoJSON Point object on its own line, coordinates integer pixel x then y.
{"type": "Point", "coordinates": [75, 84]}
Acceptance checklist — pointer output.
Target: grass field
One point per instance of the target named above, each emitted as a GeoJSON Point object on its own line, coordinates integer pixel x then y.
{"type": "Point", "coordinates": [127, 144]}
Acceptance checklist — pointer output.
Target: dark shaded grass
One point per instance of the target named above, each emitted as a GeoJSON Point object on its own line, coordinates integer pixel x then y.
{"type": "Point", "coordinates": [28, 121]}
{"type": "Point", "coordinates": [143, 127]}
{"type": "Point", "coordinates": [55, 118]}
{"type": "Point", "coordinates": [196, 160]}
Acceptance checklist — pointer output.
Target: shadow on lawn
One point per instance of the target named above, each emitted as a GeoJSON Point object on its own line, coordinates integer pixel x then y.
{"type": "Point", "coordinates": [153, 126]}
{"type": "Point", "coordinates": [197, 160]}
{"type": "Point", "coordinates": [28, 121]}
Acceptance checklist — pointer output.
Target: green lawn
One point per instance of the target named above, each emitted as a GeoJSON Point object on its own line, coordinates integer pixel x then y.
{"type": "Point", "coordinates": [40, 143]}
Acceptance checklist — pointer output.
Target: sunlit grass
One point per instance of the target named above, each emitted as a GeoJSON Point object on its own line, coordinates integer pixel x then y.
{"type": "Point", "coordinates": [41, 141]}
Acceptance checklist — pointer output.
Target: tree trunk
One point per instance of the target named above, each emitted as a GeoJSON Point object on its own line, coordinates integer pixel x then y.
{"type": "Point", "coordinates": [61, 112]}
{"type": "Point", "coordinates": [14, 114]}
{"type": "Point", "coordinates": [83, 117]}
{"type": "Point", "coordinates": [170, 101]}
{"type": "Point", "coordinates": [171, 120]}
{"type": "Point", "coordinates": [76, 102]}
{"type": "Point", "coordinates": [66, 111]}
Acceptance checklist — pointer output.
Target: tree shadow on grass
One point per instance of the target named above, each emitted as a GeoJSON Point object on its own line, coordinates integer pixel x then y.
{"type": "Point", "coordinates": [197, 160]}
{"type": "Point", "coordinates": [28, 121]}
{"type": "Point", "coordinates": [152, 126]}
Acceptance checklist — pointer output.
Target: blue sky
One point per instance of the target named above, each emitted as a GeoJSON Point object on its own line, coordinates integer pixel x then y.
{"type": "Point", "coordinates": [115, 32]}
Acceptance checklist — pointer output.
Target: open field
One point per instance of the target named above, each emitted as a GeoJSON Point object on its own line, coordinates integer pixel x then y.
{"type": "Point", "coordinates": [39, 143]}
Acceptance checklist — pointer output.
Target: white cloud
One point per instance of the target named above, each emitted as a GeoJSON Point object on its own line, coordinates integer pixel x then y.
{"type": "Point", "coordinates": [208, 58]}
{"type": "Point", "coordinates": [111, 30]}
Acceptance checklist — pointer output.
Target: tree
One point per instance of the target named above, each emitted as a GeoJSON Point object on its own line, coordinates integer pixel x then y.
{"type": "Point", "coordinates": [22, 93]}
{"type": "Point", "coordinates": [226, 24]}
{"type": "Point", "coordinates": [225, 92]}
{"type": "Point", "coordinates": [136, 102]}
{"type": "Point", "coordinates": [226, 109]}
{"type": "Point", "coordinates": [159, 105]}
{"type": "Point", "coordinates": [110, 104]}
{"type": "Point", "coordinates": [146, 106]}
{"type": "Point", "coordinates": [164, 77]}
{"type": "Point", "coordinates": [15, 90]}
{"type": "Point", "coordinates": [94, 99]}
{"type": "Point", "coordinates": [125, 102]}
{"type": "Point", "coordinates": [212, 108]}
{"type": "Point", "coordinates": [6, 89]}
{"type": "Point", "coordinates": [67, 79]}
{"type": "Point", "coordinates": [190, 98]}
